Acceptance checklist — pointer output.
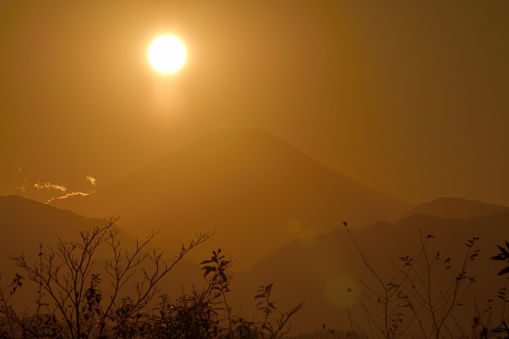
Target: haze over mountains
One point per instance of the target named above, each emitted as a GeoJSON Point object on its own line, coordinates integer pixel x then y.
{"type": "Point", "coordinates": [318, 269]}
{"type": "Point", "coordinates": [254, 190]}
{"type": "Point", "coordinates": [28, 224]}
{"type": "Point", "coordinates": [280, 213]}
{"type": "Point", "coordinates": [449, 207]}
{"type": "Point", "coordinates": [331, 278]}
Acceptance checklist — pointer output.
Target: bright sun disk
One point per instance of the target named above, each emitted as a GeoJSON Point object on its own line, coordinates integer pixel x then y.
{"type": "Point", "coordinates": [167, 54]}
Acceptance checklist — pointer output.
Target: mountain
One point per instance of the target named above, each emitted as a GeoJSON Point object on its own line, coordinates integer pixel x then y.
{"type": "Point", "coordinates": [253, 189]}
{"type": "Point", "coordinates": [327, 272]}
{"type": "Point", "coordinates": [453, 207]}
{"type": "Point", "coordinates": [26, 224]}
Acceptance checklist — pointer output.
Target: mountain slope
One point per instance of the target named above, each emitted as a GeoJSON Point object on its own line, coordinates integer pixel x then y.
{"type": "Point", "coordinates": [328, 272]}
{"type": "Point", "coordinates": [247, 185]}
{"type": "Point", "coordinates": [453, 207]}
{"type": "Point", "coordinates": [26, 224]}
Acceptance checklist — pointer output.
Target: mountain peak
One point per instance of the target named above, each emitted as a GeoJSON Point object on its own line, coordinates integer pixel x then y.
{"type": "Point", "coordinates": [247, 185]}
{"type": "Point", "coordinates": [239, 143]}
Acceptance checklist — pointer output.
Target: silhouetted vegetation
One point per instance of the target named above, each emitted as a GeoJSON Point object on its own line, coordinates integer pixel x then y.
{"type": "Point", "coordinates": [421, 299]}
{"type": "Point", "coordinates": [122, 298]}
{"type": "Point", "coordinates": [96, 288]}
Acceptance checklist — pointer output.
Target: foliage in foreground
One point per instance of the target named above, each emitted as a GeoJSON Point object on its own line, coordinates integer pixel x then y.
{"type": "Point", "coordinates": [425, 296]}
{"type": "Point", "coordinates": [78, 299]}
{"type": "Point", "coordinates": [121, 297]}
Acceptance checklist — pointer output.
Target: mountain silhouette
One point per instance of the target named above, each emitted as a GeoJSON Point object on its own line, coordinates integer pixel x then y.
{"type": "Point", "coordinates": [453, 207]}
{"type": "Point", "coordinates": [254, 190]}
{"type": "Point", "coordinates": [328, 273]}
{"type": "Point", "coordinates": [27, 224]}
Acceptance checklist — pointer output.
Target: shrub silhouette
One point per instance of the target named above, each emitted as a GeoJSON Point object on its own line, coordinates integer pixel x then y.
{"type": "Point", "coordinates": [412, 304]}
{"type": "Point", "coordinates": [77, 299]}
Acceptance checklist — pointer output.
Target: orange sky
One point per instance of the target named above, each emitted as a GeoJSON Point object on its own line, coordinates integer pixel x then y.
{"type": "Point", "coordinates": [408, 98]}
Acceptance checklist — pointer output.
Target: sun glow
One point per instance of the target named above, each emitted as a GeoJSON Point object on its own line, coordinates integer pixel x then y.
{"type": "Point", "coordinates": [167, 54]}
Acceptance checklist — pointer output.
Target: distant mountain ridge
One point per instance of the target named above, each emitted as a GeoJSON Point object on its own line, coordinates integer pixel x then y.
{"type": "Point", "coordinates": [454, 207]}
{"type": "Point", "coordinates": [247, 185]}
{"type": "Point", "coordinates": [24, 219]}
{"type": "Point", "coordinates": [327, 272]}
{"type": "Point", "coordinates": [27, 224]}
{"type": "Point", "coordinates": [309, 268]}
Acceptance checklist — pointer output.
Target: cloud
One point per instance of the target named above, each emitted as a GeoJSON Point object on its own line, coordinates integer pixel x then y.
{"type": "Point", "coordinates": [91, 179]}
{"type": "Point", "coordinates": [67, 196]}
{"type": "Point", "coordinates": [49, 186]}
{"type": "Point", "coordinates": [22, 186]}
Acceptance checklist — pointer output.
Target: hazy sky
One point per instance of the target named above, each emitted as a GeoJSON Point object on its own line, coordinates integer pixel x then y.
{"type": "Point", "coordinates": [410, 98]}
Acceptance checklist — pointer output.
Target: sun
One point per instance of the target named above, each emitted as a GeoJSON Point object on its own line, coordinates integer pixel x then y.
{"type": "Point", "coordinates": [167, 54]}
